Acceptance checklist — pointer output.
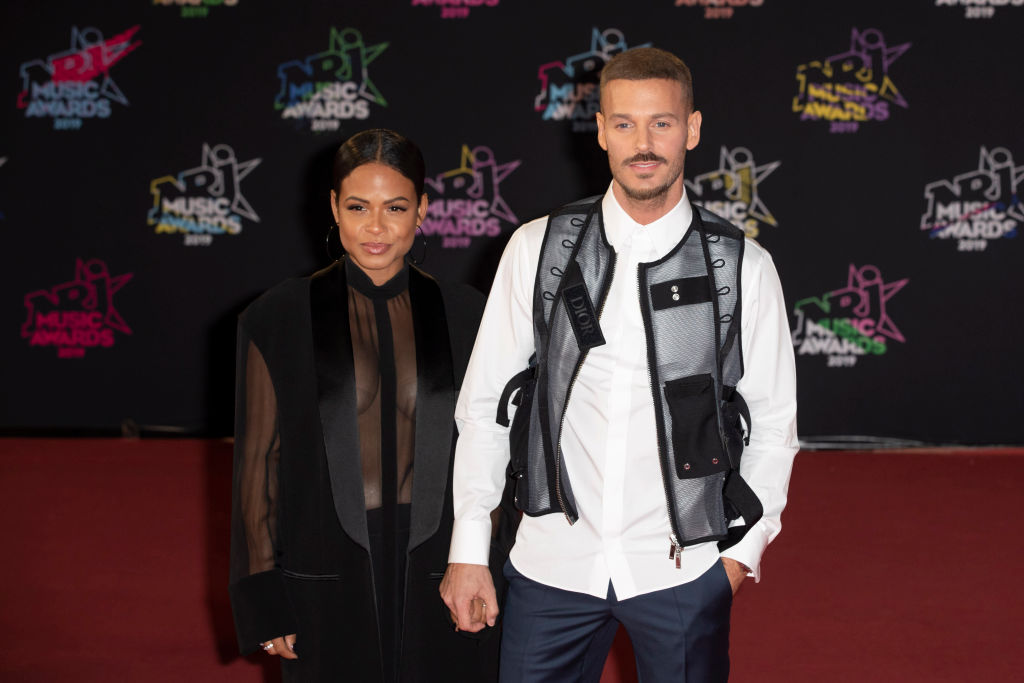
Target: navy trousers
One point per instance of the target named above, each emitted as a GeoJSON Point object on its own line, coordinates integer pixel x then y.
{"type": "Point", "coordinates": [554, 636]}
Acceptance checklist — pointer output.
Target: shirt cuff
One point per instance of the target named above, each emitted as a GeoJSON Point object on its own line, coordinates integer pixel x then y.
{"type": "Point", "coordinates": [749, 550]}
{"type": "Point", "coordinates": [471, 542]}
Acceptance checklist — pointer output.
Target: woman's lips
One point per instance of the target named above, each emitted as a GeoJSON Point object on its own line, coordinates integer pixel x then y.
{"type": "Point", "coordinates": [376, 248]}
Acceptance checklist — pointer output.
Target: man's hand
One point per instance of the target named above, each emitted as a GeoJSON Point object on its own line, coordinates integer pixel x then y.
{"type": "Point", "coordinates": [468, 591]}
{"type": "Point", "coordinates": [735, 571]}
{"type": "Point", "coordinates": [283, 647]}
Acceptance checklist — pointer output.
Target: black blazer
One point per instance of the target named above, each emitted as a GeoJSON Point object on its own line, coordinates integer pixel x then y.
{"type": "Point", "coordinates": [321, 588]}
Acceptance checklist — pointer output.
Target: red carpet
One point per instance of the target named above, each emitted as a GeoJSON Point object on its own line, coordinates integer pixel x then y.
{"type": "Point", "coordinates": [897, 566]}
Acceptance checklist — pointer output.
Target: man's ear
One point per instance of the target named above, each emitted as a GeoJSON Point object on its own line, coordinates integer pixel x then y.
{"type": "Point", "coordinates": [601, 139]}
{"type": "Point", "coordinates": [693, 122]}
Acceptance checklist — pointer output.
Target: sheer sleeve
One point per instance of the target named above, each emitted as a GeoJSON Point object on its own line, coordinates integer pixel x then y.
{"type": "Point", "coordinates": [258, 598]}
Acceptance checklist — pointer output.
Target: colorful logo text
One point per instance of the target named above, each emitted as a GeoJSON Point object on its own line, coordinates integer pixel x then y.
{"type": "Point", "coordinates": [978, 9]}
{"type": "Point", "coordinates": [203, 201]}
{"type": "Point", "coordinates": [331, 86]}
{"type": "Point", "coordinates": [455, 9]}
{"type": "Point", "coordinates": [977, 206]}
{"type": "Point", "coordinates": [196, 9]}
{"type": "Point", "coordinates": [852, 87]}
{"type": "Point", "coordinates": [569, 89]}
{"type": "Point", "coordinates": [75, 85]}
{"type": "Point", "coordinates": [719, 9]}
{"type": "Point", "coordinates": [77, 315]}
{"type": "Point", "coordinates": [466, 202]}
{"type": "Point", "coordinates": [848, 323]}
{"type": "Point", "coordinates": [731, 190]}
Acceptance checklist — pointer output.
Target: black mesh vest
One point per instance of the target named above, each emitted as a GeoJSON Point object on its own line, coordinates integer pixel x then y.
{"type": "Point", "coordinates": [690, 302]}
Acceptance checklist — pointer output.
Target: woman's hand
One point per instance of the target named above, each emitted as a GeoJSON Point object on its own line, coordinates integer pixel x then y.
{"type": "Point", "coordinates": [282, 647]}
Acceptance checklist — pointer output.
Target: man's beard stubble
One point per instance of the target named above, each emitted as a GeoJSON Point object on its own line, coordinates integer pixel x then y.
{"type": "Point", "coordinates": [654, 192]}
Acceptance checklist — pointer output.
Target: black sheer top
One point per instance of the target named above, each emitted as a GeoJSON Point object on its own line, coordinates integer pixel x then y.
{"type": "Point", "coordinates": [384, 365]}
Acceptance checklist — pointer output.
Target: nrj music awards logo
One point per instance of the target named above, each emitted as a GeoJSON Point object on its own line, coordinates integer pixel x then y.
{"type": "Point", "coordinates": [732, 190]}
{"type": "Point", "coordinates": [851, 322]}
{"type": "Point", "coordinates": [205, 200]}
{"type": "Point", "coordinates": [852, 87]}
{"type": "Point", "coordinates": [78, 315]}
{"type": "Point", "coordinates": [719, 9]}
{"type": "Point", "coordinates": [332, 86]}
{"type": "Point", "coordinates": [75, 84]}
{"type": "Point", "coordinates": [978, 206]}
{"type": "Point", "coordinates": [569, 89]}
{"type": "Point", "coordinates": [455, 9]}
{"type": "Point", "coordinates": [978, 9]}
{"type": "Point", "coordinates": [466, 202]}
{"type": "Point", "coordinates": [196, 9]}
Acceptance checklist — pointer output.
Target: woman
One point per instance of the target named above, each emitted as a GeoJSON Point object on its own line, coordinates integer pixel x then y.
{"type": "Point", "coordinates": [342, 507]}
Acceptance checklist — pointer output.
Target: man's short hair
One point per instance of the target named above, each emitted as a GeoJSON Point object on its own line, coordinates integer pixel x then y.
{"type": "Point", "coordinates": [642, 63]}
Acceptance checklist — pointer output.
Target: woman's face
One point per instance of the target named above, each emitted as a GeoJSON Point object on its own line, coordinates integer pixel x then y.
{"type": "Point", "coordinates": [377, 211]}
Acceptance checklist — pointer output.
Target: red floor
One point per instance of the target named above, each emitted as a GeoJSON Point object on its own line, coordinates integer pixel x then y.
{"type": "Point", "coordinates": [896, 566]}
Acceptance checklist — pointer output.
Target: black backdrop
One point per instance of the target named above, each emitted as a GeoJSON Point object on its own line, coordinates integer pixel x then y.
{"type": "Point", "coordinates": [164, 161]}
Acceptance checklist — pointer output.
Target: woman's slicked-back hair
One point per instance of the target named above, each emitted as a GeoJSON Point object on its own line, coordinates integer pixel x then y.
{"type": "Point", "coordinates": [382, 146]}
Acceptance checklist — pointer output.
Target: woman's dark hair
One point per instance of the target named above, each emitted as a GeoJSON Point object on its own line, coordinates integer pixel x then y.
{"type": "Point", "coordinates": [382, 146]}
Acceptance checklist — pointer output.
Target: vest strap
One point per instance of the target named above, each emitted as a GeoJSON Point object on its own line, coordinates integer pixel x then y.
{"type": "Point", "coordinates": [518, 381]}
{"type": "Point", "coordinates": [742, 500]}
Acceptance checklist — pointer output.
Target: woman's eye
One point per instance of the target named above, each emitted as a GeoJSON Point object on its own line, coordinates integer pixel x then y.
{"type": "Point", "coordinates": [397, 209]}
{"type": "Point", "coordinates": [355, 207]}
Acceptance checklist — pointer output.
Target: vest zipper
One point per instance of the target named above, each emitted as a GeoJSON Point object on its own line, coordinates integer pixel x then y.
{"type": "Point", "coordinates": [576, 372]}
{"type": "Point", "coordinates": [675, 550]}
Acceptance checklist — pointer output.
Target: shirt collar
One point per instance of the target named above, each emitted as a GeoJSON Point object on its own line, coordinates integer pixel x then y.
{"type": "Point", "coordinates": [664, 233]}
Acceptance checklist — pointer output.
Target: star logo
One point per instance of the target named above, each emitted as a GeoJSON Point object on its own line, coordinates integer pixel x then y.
{"type": "Point", "coordinates": [851, 87]}
{"type": "Point", "coordinates": [868, 60]}
{"type": "Point", "coordinates": [581, 68]}
{"type": "Point", "coordinates": [477, 176]}
{"type": "Point", "coordinates": [864, 297]}
{"type": "Point", "coordinates": [347, 59]}
{"type": "Point", "coordinates": [861, 307]}
{"type": "Point", "coordinates": [219, 176]}
{"type": "Point", "coordinates": [91, 293]}
{"type": "Point", "coordinates": [90, 57]}
{"type": "Point", "coordinates": [993, 185]}
{"type": "Point", "coordinates": [736, 179]}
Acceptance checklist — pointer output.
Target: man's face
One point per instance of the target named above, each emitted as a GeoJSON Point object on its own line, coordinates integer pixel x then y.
{"type": "Point", "coordinates": [646, 128]}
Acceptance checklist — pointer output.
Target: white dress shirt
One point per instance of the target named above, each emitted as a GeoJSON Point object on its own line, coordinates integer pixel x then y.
{"type": "Point", "coordinates": [608, 438]}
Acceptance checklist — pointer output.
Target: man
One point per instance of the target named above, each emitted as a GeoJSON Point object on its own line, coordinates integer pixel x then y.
{"type": "Point", "coordinates": [650, 319]}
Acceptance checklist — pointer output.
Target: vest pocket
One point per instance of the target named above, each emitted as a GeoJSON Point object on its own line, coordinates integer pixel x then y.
{"type": "Point", "coordinates": [695, 440]}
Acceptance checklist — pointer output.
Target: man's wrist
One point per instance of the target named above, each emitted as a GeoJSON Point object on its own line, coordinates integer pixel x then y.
{"type": "Point", "coordinates": [471, 542]}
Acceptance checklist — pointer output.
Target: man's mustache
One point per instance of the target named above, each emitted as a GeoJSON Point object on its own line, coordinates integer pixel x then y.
{"type": "Point", "coordinates": [641, 158]}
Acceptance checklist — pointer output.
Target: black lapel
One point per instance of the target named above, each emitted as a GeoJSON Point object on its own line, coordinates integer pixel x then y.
{"type": "Point", "coordinates": [435, 406]}
{"type": "Point", "coordinates": [336, 391]}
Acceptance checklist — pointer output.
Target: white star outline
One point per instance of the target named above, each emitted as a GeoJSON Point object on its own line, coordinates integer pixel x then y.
{"type": "Point", "coordinates": [737, 178]}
